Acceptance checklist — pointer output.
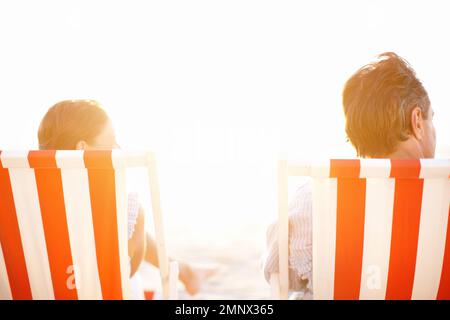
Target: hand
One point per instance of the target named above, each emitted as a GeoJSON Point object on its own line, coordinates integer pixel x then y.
{"type": "Point", "coordinates": [189, 278]}
{"type": "Point", "coordinates": [193, 278]}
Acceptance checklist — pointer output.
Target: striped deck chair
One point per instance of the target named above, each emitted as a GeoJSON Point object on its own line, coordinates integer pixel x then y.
{"type": "Point", "coordinates": [63, 224]}
{"type": "Point", "coordinates": [380, 229]}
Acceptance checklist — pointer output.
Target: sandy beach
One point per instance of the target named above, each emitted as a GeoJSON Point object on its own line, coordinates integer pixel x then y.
{"type": "Point", "coordinates": [236, 262]}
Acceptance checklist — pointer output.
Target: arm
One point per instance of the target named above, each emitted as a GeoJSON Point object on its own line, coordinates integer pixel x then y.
{"type": "Point", "coordinates": [151, 255]}
{"type": "Point", "coordinates": [137, 243]}
{"type": "Point", "coordinates": [271, 257]}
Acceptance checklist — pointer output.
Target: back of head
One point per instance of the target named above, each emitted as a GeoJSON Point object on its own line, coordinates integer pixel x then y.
{"type": "Point", "coordinates": [70, 121]}
{"type": "Point", "coordinates": [378, 100]}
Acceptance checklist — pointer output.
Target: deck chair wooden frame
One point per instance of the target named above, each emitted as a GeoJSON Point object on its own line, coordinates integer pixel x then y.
{"type": "Point", "coordinates": [63, 225]}
{"type": "Point", "coordinates": [381, 228]}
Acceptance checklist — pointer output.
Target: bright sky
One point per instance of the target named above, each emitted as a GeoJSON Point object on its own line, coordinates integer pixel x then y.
{"type": "Point", "coordinates": [218, 89]}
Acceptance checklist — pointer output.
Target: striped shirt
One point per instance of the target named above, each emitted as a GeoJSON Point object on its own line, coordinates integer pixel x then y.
{"type": "Point", "coordinates": [133, 212]}
{"type": "Point", "coordinates": [300, 243]}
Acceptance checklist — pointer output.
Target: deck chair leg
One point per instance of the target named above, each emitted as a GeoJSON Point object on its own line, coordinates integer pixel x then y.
{"type": "Point", "coordinates": [163, 259]}
{"type": "Point", "coordinates": [173, 280]}
{"type": "Point", "coordinates": [275, 286]}
{"type": "Point", "coordinates": [283, 230]}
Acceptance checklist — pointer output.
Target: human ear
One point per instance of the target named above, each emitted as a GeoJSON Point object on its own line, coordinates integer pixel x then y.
{"type": "Point", "coordinates": [417, 123]}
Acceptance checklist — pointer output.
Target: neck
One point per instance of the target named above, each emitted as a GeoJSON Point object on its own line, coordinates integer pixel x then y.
{"type": "Point", "coordinates": [408, 149]}
{"type": "Point", "coordinates": [405, 154]}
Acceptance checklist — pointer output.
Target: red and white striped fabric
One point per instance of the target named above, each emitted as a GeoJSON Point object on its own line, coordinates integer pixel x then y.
{"type": "Point", "coordinates": [380, 228]}
{"type": "Point", "coordinates": [63, 224]}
